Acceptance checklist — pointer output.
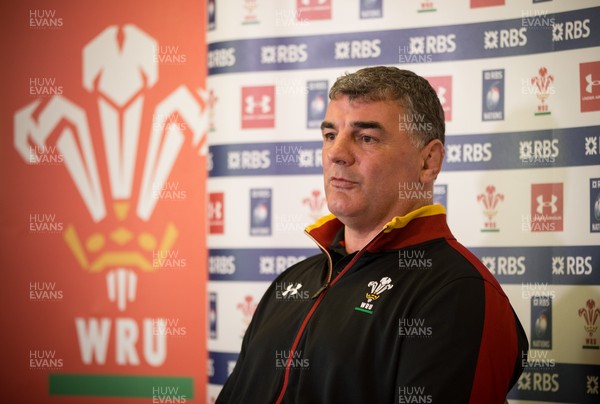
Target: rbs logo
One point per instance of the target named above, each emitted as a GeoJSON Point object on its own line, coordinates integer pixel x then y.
{"type": "Point", "coordinates": [365, 49]}
{"type": "Point", "coordinates": [536, 381]}
{"type": "Point", "coordinates": [432, 44]}
{"type": "Point", "coordinates": [509, 265]}
{"type": "Point", "coordinates": [569, 30]}
{"type": "Point", "coordinates": [572, 265]}
{"type": "Point", "coordinates": [546, 150]}
{"type": "Point", "coordinates": [283, 54]}
{"type": "Point", "coordinates": [505, 38]}
{"type": "Point", "coordinates": [468, 152]}
{"type": "Point", "coordinates": [248, 159]}
{"type": "Point", "coordinates": [221, 58]}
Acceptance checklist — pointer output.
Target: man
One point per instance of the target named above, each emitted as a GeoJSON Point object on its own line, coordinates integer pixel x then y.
{"type": "Point", "coordinates": [397, 311]}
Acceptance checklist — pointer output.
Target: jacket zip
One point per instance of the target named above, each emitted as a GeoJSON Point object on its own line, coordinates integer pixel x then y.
{"type": "Point", "coordinates": [319, 295]}
{"type": "Point", "coordinates": [329, 270]}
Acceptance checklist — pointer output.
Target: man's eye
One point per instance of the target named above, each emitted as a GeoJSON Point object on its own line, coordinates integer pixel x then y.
{"type": "Point", "coordinates": [367, 139]}
{"type": "Point", "coordinates": [329, 136]}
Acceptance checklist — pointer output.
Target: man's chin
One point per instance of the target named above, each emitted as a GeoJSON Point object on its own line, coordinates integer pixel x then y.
{"type": "Point", "coordinates": [342, 212]}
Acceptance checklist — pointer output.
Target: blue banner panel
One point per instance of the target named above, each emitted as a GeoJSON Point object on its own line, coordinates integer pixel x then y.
{"type": "Point", "coordinates": [548, 381]}
{"type": "Point", "coordinates": [574, 265]}
{"type": "Point", "coordinates": [536, 32]}
{"type": "Point", "coordinates": [510, 150]}
{"type": "Point", "coordinates": [220, 366]}
{"type": "Point", "coordinates": [245, 264]}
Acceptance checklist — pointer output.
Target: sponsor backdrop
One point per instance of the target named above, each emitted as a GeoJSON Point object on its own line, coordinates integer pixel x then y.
{"type": "Point", "coordinates": [103, 156]}
{"type": "Point", "coordinates": [520, 85]}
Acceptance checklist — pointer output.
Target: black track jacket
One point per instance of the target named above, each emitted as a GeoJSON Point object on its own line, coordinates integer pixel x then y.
{"type": "Point", "coordinates": [413, 317]}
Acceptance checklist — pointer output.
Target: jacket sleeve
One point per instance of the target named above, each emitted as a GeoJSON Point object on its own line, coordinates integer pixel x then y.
{"type": "Point", "coordinates": [226, 394]}
{"type": "Point", "coordinates": [467, 347]}
{"type": "Point", "coordinates": [230, 393]}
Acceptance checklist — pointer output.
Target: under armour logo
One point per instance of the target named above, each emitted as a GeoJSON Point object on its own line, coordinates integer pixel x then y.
{"type": "Point", "coordinates": [311, 2]}
{"type": "Point", "coordinates": [441, 93]}
{"type": "Point", "coordinates": [590, 83]}
{"type": "Point", "coordinates": [215, 210]}
{"type": "Point", "coordinates": [264, 104]}
{"type": "Point", "coordinates": [291, 289]}
{"type": "Point", "coordinates": [546, 204]}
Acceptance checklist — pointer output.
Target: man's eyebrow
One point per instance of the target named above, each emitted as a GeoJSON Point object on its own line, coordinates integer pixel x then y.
{"type": "Point", "coordinates": [366, 125]}
{"type": "Point", "coordinates": [355, 124]}
{"type": "Point", "coordinates": [327, 125]}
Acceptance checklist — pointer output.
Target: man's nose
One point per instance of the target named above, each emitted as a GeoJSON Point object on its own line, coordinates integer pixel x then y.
{"type": "Point", "coordinates": [341, 150]}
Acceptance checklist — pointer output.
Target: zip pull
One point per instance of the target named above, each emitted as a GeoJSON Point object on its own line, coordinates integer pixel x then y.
{"type": "Point", "coordinates": [321, 290]}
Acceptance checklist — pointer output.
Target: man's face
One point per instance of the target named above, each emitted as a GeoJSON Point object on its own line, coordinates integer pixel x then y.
{"type": "Point", "coordinates": [367, 158]}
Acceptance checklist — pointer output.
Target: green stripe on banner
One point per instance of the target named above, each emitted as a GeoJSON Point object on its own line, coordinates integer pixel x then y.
{"type": "Point", "coordinates": [121, 386]}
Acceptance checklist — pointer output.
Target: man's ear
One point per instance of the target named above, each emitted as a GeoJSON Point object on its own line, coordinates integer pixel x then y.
{"type": "Point", "coordinates": [432, 157]}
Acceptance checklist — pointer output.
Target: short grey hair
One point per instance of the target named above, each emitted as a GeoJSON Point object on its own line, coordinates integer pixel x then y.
{"type": "Point", "coordinates": [411, 91]}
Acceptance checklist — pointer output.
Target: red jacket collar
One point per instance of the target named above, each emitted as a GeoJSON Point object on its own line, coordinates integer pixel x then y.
{"type": "Point", "coordinates": [424, 224]}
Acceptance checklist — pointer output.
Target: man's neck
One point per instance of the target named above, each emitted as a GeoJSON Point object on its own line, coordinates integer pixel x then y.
{"type": "Point", "coordinates": [357, 240]}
